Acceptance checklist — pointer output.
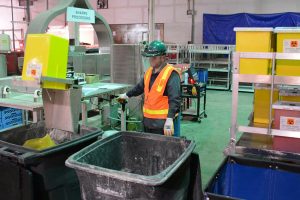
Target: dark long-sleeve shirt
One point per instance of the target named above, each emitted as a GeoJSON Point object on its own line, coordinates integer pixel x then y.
{"type": "Point", "coordinates": [172, 91]}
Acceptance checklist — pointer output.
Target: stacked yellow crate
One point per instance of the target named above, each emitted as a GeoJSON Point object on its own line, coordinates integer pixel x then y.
{"type": "Point", "coordinates": [263, 40]}
{"type": "Point", "coordinates": [289, 94]}
{"type": "Point", "coordinates": [288, 41]}
{"type": "Point", "coordinates": [46, 55]}
{"type": "Point", "coordinates": [290, 98]}
{"type": "Point", "coordinates": [262, 97]}
{"type": "Point", "coordinates": [255, 40]}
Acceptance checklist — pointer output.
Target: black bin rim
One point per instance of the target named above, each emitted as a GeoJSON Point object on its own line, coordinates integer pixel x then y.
{"type": "Point", "coordinates": [153, 180]}
{"type": "Point", "coordinates": [28, 156]}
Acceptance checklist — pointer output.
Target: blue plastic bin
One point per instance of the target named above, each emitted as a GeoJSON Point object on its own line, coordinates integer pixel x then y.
{"type": "Point", "coordinates": [254, 178]}
{"type": "Point", "coordinates": [10, 117]}
{"type": "Point", "coordinates": [203, 75]}
{"type": "Point", "coordinates": [12, 122]}
{"type": "Point", "coordinates": [10, 113]}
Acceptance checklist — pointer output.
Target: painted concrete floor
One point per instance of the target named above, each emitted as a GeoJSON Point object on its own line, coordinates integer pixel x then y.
{"type": "Point", "coordinates": [212, 134]}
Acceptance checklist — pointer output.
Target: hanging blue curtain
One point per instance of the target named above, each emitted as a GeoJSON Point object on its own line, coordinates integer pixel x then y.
{"type": "Point", "coordinates": [218, 29]}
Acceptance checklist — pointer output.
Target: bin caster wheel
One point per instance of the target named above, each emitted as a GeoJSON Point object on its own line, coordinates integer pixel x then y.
{"type": "Point", "coordinates": [199, 120]}
{"type": "Point", "coordinates": [205, 115]}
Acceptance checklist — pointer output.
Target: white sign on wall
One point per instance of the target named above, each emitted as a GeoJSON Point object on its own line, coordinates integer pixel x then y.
{"type": "Point", "coordinates": [80, 15]}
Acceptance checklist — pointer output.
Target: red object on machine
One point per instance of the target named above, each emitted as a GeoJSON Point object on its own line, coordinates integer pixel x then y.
{"type": "Point", "coordinates": [287, 117]}
{"type": "Point", "coordinates": [172, 56]}
{"type": "Point", "coordinates": [191, 81]}
{"type": "Point", "coordinates": [12, 62]}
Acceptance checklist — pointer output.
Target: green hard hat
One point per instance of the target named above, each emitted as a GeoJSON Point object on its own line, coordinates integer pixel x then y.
{"type": "Point", "coordinates": [155, 48]}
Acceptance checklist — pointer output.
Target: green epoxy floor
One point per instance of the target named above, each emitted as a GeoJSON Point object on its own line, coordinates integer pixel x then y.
{"type": "Point", "coordinates": [212, 134]}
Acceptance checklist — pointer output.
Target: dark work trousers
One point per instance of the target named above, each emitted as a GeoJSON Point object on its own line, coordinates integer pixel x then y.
{"type": "Point", "coordinates": [154, 131]}
{"type": "Point", "coordinates": [160, 131]}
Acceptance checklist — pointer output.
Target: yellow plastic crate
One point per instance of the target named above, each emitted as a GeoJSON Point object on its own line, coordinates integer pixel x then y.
{"type": "Point", "coordinates": [46, 55]}
{"type": "Point", "coordinates": [290, 98]}
{"type": "Point", "coordinates": [255, 40]}
{"type": "Point", "coordinates": [289, 94]}
{"type": "Point", "coordinates": [288, 41]}
{"type": "Point", "coordinates": [262, 97]}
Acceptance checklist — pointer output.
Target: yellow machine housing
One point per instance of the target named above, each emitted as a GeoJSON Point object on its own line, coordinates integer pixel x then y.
{"type": "Point", "coordinates": [46, 55]}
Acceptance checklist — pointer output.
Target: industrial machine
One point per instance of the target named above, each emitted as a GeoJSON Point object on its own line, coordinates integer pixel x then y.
{"type": "Point", "coordinates": [33, 152]}
{"type": "Point", "coordinates": [94, 63]}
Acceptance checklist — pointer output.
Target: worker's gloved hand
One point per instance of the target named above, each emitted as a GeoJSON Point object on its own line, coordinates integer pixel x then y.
{"type": "Point", "coordinates": [169, 127]}
{"type": "Point", "coordinates": [123, 96]}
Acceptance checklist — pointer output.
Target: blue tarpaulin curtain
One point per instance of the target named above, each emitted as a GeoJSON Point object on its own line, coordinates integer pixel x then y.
{"type": "Point", "coordinates": [218, 29]}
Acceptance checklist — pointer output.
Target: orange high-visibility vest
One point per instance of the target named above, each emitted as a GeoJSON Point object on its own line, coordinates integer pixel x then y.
{"type": "Point", "coordinates": [156, 106]}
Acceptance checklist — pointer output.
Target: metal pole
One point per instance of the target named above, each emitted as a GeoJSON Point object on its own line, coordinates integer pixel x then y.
{"type": "Point", "coordinates": [271, 93]}
{"type": "Point", "coordinates": [76, 34]}
{"type": "Point", "coordinates": [47, 4]}
{"type": "Point", "coordinates": [151, 19]}
{"type": "Point", "coordinates": [28, 11]}
{"type": "Point", "coordinates": [123, 120]}
{"type": "Point", "coordinates": [12, 23]}
{"type": "Point", "coordinates": [193, 23]}
{"type": "Point", "coordinates": [235, 96]}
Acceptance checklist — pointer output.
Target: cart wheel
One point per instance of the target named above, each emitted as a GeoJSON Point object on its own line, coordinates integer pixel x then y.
{"type": "Point", "coordinates": [199, 120]}
{"type": "Point", "coordinates": [205, 115]}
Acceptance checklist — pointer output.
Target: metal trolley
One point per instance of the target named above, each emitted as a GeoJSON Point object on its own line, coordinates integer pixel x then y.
{"type": "Point", "coordinates": [186, 95]}
{"type": "Point", "coordinates": [253, 168]}
{"type": "Point", "coordinates": [266, 132]}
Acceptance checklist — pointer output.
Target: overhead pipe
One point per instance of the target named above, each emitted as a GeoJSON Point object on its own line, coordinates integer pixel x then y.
{"type": "Point", "coordinates": [193, 23]}
{"type": "Point", "coordinates": [28, 11]}
{"type": "Point", "coordinates": [13, 24]}
{"type": "Point", "coordinates": [47, 4]}
{"type": "Point", "coordinates": [151, 20]}
{"type": "Point", "coordinates": [191, 11]}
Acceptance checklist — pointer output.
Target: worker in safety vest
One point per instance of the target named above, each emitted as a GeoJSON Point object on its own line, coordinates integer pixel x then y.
{"type": "Point", "coordinates": [161, 87]}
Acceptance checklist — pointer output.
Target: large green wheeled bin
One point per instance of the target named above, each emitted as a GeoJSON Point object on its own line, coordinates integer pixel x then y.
{"type": "Point", "coordinates": [27, 174]}
{"type": "Point", "coordinates": [132, 165]}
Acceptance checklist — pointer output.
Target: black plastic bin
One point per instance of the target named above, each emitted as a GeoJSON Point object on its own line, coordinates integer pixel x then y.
{"type": "Point", "coordinates": [27, 174]}
{"type": "Point", "coordinates": [254, 178]}
{"type": "Point", "coordinates": [131, 165]}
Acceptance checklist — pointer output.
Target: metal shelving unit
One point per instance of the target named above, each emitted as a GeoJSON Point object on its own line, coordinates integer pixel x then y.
{"type": "Point", "coordinates": [217, 60]}
{"type": "Point", "coordinates": [272, 80]}
{"type": "Point", "coordinates": [177, 53]}
{"type": "Point", "coordinates": [246, 87]}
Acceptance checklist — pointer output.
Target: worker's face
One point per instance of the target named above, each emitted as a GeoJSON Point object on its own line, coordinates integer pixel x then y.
{"type": "Point", "coordinates": [157, 61]}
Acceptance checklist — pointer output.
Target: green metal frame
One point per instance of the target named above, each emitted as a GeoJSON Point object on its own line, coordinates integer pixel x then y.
{"type": "Point", "coordinates": [41, 22]}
